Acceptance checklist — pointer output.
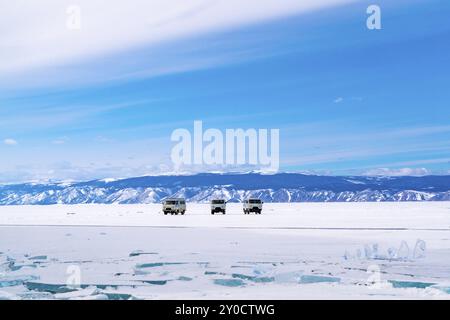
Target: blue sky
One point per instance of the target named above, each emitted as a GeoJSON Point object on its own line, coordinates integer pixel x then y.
{"type": "Point", "coordinates": [347, 100]}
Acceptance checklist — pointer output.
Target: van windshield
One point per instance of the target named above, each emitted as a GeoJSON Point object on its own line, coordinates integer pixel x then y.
{"type": "Point", "coordinates": [254, 201]}
{"type": "Point", "coordinates": [171, 202]}
{"type": "Point", "coordinates": [218, 201]}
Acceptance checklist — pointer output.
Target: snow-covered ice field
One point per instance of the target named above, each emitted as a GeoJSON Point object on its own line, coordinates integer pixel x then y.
{"type": "Point", "coordinates": [291, 251]}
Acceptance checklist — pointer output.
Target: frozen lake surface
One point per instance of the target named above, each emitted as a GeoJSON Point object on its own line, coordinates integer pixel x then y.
{"type": "Point", "coordinates": [291, 251]}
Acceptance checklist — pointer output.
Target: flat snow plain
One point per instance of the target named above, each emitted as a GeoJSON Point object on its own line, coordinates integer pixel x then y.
{"type": "Point", "coordinates": [290, 251]}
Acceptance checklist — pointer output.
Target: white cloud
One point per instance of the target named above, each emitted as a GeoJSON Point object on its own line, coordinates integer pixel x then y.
{"type": "Point", "coordinates": [338, 100]}
{"type": "Point", "coordinates": [10, 142]}
{"type": "Point", "coordinates": [398, 172]}
{"type": "Point", "coordinates": [34, 34]}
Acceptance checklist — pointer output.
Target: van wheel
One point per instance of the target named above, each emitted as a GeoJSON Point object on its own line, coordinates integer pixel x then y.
{"type": "Point", "coordinates": [212, 212]}
{"type": "Point", "coordinates": [182, 213]}
{"type": "Point", "coordinates": [223, 211]}
{"type": "Point", "coordinates": [165, 213]}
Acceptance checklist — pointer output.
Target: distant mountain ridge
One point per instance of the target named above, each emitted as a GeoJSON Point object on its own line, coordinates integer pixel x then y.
{"type": "Point", "coordinates": [281, 187]}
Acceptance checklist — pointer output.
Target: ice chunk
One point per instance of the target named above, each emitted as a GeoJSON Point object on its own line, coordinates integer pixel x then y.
{"type": "Point", "coordinates": [252, 278]}
{"type": "Point", "coordinates": [371, 251]}
{"type": "Point", "coordinates": [445, 289]}
{"type": "Point", "coordinates": [46, 287]}
{"type": "Point", "coordinates": [78, 293]}
{"type": "Point", "coordinates": [156, 282]}
{"type": "Point", "coordinates": [288, 277]}
{"type": "Point", "coordinates": [119, 296]}
{"type": "Point", "coordinates": [263, 269]}
{"type": "Point", "coordinates": [317, 279]}
{"type": "Point", "coordinates": [12, 281]}
{"type": "Point", "coordinates": [403, 251]}
{"type": "Point", "coordinates": [229, 282]}
{"type": "Point", "coordinates": [8, 296]}
{"type": "Point", "coordinates": [420, 249]}
{"type": "Point", "coordinates": [410, 284]}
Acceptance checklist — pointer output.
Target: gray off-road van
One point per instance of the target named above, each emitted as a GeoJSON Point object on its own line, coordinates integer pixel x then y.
{"type": "Point", "coordinates": [218, 205]}
{"type": "Point", "coordinates": [174, 206]}
{"type": "Point", "coordinates": [253, 205]}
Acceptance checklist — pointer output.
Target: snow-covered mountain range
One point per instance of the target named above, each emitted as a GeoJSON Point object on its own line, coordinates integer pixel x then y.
{"type": "Point", "coordinates": [282, 187]}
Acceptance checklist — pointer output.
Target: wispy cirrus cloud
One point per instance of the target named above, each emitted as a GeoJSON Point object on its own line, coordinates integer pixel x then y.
{"type": "Point", "coordinates": [35, 35]}
{"type": "Point", "coordinates": [315, 146]}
